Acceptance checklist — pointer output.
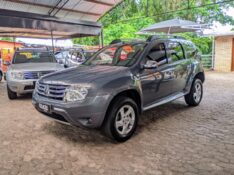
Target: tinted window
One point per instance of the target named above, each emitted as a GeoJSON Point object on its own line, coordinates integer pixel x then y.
{"type": "Point", "coordinates": [158, 54]}
{"type": "Point", "coordinates": [33, 57]}
{"type": "Point", "coordinates": [175, 51]}
{"type": "Point", "coordinates": [190, 49]}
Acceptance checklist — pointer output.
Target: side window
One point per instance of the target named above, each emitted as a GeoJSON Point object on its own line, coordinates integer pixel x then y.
{"type": "Point", "coordinates": [190, 49]}
{"type": "Point", "coordinates": [175, 52]}
{"type": "Point", "coordinates": [158, 54]}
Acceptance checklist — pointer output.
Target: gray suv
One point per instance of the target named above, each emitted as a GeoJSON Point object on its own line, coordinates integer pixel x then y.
{"type": "Point", "coordinates": [111, 89]}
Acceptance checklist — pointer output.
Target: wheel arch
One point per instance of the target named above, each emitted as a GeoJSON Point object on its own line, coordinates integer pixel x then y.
{"type": "Point", "coordinates": [201, 76]}
{"type": "Point", "coordinates": [131, 93]}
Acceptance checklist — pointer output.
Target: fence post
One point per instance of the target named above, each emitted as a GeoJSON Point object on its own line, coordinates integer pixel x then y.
{"type": "Point", "coordinates": [213, 52]}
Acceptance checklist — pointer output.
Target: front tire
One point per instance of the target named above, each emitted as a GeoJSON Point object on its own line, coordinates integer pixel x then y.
{"type": "Point", "coordinates": [11, 95]}
{"type": "Point", "coordinates": [196, 93]}
{"type": "Point", "coordinates": [121, 119]}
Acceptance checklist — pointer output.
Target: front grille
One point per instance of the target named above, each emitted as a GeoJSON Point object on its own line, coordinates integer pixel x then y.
{"type": "Point", "coordinates": [35, 75]}
{"type": "Point", "coordinates": [54, 91]}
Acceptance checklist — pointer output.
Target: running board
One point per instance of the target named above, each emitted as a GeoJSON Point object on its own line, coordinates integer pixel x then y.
{"type": "Point", "coordinates": [166, 100]}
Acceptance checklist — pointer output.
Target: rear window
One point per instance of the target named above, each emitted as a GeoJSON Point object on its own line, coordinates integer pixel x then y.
{"type": "Point", "coordinates": [33, 57]}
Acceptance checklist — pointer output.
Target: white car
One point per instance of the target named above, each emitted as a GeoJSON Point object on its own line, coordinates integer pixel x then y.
{"type": "Point", "coordinates": [28, 65]}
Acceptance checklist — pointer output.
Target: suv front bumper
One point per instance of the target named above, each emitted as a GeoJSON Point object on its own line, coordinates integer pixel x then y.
{"type": "Point", "coordinates": [89, 113]}
{"type": "Point", "coordinates": [21, 86]}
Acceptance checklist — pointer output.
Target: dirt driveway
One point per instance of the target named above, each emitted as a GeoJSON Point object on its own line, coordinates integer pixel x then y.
{"type": "Point", "coordinates": [171, 139]}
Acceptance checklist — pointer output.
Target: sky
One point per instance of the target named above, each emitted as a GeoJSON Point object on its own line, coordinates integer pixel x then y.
{"type": "Point", "coordinates": [216, 28]}
{"type": "Point", "coordinates": [219, 28]}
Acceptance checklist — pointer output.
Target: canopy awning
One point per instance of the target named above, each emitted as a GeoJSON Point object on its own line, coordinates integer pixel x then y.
{"type": "Point", "coordinates": [21, 24]}
{"type": "Point", "coordinates": [60, 18]}
{"type": "Point", "coordinates": [86, 10]}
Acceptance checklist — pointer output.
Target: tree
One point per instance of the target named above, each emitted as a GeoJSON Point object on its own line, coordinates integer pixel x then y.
{"type": "Point", "coordinates": [132, 15]}
{"type": "Point", "coordinates": [6, 39]}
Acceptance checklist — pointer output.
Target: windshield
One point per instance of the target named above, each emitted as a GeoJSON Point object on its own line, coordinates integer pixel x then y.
{"type": "Point", "coordinates": [33, 57]}
{"type": "Point", "coordinates": [124, 55]}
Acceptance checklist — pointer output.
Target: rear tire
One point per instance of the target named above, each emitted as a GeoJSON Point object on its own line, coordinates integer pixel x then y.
{"type": "Point", "coordinates": [0, 76]}
{"type": "Point", "coordinates": [11, 95]}
{"type": "Point", "coordinates": [121, 119]}
{"type": "Point", "coordinates": [196, 93]}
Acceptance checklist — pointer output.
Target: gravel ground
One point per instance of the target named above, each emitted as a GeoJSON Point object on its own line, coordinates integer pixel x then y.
{"type": "Point", "coordinates": [171, 139]}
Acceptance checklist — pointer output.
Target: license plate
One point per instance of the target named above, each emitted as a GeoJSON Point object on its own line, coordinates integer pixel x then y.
{"type": "Point", "coordinates": [45, 108]}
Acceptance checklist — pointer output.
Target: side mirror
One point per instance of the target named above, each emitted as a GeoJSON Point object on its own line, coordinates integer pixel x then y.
{"type": "Point", "coordinates": [6, 63]}
{"type": "Point", "coordinates": [150, 65]}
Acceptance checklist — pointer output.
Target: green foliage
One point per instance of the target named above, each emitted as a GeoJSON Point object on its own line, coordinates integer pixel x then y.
{"type": "Point", "coordinates": [125, 30]}
{"type": "Point", "coordinates": [204, 44]}
{"type": "Point", "coordinates": [6, 39]}
{"type": "Point", "coordinates": [129, 17]}
{"type": "Point", "coordinates": [93, 40]}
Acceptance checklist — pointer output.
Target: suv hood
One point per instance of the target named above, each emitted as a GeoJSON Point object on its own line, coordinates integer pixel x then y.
{"type": "Point", "coordinates": [24, 67]}
{"type": "Point", "coordinates": [82, 74]}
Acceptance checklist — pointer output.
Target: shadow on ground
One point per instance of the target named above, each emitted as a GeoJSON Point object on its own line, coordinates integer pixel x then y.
{"type": "Point", "coordinates": [24, 97]}
{"type": "Point", "coordinates": [94, 136]}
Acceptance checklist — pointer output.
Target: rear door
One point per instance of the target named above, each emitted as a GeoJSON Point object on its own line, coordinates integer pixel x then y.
{"type": "Point", "coordinates": [180, 66]}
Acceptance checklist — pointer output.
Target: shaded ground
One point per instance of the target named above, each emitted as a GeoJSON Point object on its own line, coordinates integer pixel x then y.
{"type": "Point", "coordinates": [171, 139]}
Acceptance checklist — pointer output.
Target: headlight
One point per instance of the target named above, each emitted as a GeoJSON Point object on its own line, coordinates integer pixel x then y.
{"type": "Point", "coordinates": [17, 75]}
{"type": "Point", "coordinates": [75, 93]}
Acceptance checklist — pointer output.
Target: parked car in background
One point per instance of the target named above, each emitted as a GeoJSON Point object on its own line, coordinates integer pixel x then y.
{"type": "Point", "coordinates": [27, 66]}
{"type": "Point", "coordinates": [76, 57]}
{"type": "Point", "coordinates": [112, 88]}
{"type": "Point", "coordinates": [73, 57]}
{"type": "Point", "coordinates": [61, 57]}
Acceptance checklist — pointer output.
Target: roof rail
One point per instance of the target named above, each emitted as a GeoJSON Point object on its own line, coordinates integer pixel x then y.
{"type": "Point", "coordinates": [155, 37]}
{"type": "Point", "coordinates": [126, 40]}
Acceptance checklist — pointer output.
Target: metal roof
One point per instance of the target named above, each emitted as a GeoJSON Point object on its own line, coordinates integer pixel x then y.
{"type": "Point", "coordinates": [63, 18]}
{"type": "Point", "coordinates": [87, 10]}
{"type": "Point", "coordinates": [22, 24]}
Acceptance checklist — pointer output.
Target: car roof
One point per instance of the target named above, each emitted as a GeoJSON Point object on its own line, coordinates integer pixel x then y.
{"type": "Point", "coordinates": [32, 49]}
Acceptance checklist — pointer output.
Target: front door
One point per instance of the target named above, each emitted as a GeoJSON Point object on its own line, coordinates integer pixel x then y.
{"type": "Point", "coordinates": [156, 83]}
